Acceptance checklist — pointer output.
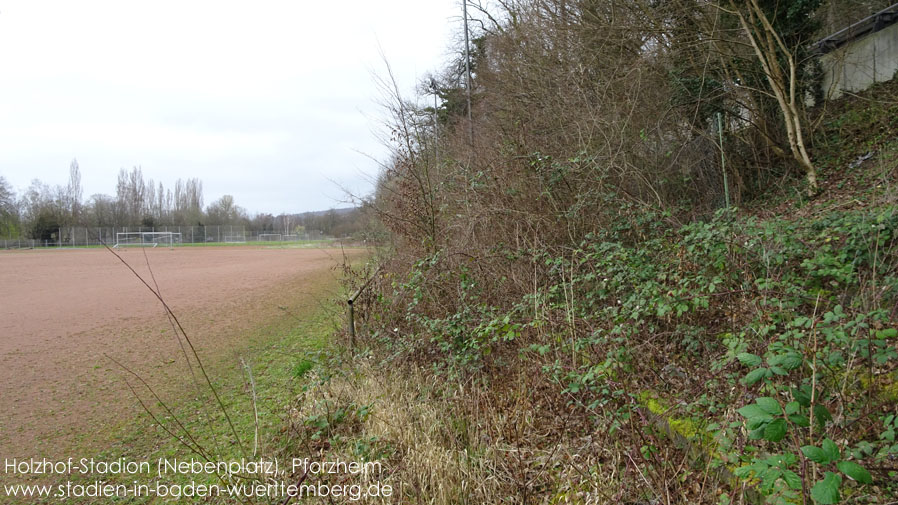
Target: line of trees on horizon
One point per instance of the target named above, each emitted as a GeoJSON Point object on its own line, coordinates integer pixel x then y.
{"type": "Point", "coordinates": [42, 209]}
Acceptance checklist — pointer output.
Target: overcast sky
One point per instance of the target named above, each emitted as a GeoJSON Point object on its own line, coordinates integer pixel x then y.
{"type": "Point", "coordinates": [269, 101]}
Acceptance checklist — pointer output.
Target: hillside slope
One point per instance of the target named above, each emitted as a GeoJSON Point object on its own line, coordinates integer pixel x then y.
{"type": "Point", "coordinates": [570, 314]}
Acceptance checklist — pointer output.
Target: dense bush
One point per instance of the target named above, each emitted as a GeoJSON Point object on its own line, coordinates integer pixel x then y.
{"type": "Point", "coordinates": [565, 269]}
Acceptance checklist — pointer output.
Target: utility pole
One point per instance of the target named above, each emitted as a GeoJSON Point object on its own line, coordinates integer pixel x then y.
{"type": "Point", "coordinates": [468, 73]}
{"type": "Point", "coordinates": [436, 133]}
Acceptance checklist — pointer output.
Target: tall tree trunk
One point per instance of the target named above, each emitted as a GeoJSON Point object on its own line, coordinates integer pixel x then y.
{"type": "Point", "coordinates": [766, 43]}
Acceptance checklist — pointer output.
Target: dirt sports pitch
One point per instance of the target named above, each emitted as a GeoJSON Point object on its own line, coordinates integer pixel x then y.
{"type": "Point", "coordinates": [62, 312]}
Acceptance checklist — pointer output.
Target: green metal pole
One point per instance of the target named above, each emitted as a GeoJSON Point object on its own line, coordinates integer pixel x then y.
{"type": "Point", "coordinates": [723, 162]}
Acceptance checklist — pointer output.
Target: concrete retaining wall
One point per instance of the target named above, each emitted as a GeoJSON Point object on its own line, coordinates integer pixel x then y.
{"type": "Point", "coordinates": [858, 64]}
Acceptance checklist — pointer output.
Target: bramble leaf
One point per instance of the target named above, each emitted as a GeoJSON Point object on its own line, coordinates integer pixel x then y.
{"type": "Point", "coordinates": [855, 472]}
{"type": "Point", "coordinates": [831, 450]}
{"type": "Point", "coordinates": [826, 492]}
{"type": "Point", "coordinates": [792, 479]}
{"type": "Point", "coordinates": [801, 397]}
{"type": "Point", "coordinates": [887, 333]}
{"type": "Point", "coordinates": [753, 411]}
{"type": "Point", "coordinates": [769, 405]}
{"type": "Point", "coordinates": [754, 376]}
{"type": "Point", "coordinates": [800, 420]}
{"type": "Point", "coordinates": [815, 454]}
{"type": "Point", "coordinates": [822, 415]}
{"type": "Point", "coordinates": [749, 359]}
{"type": "Point", "coordinates": [776, 430]}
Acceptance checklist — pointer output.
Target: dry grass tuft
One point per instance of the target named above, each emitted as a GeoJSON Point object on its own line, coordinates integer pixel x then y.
{"type": "Point", "coordinates": [444, 442]}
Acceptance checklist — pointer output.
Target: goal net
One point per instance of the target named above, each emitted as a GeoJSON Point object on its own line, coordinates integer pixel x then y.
{"type": "Point", "coordinates": [270, 237]}
{"type": "Point", "coordinates": [234, 239]}
{"type": "Point", "coordinates": [147, 239]}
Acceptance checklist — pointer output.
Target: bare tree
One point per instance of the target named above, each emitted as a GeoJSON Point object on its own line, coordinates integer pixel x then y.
{"type": "Point", "coordinates": [8, 208]}
{"type": "Point", "coordinates": [225, 211]}
{"type": "Point", "coordinates": [781, 72]}
{"type": "Point", "coordinates": [74, 192]}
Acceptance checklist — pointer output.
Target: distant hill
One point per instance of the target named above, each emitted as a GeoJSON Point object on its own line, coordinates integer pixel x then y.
{"type": "Point", "coordinates": [315, 213]}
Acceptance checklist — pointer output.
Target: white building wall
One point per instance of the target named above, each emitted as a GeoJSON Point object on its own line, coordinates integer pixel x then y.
{"type": "Point", "coordinates": [860, 63]}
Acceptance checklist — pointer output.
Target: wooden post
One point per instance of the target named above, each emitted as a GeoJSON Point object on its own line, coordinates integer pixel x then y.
{"type": "Point", "coordinates": [351, 324]}
{"type": "Point", "coordinates": [351, 301]}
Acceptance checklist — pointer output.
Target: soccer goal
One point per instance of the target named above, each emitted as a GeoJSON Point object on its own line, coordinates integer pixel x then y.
{"type": "Point", "coordinates": [234, 239]}
{"type": "Point", "coordinates": [147, 239]}
{"type": "Point", "coordinates": [270, 237]}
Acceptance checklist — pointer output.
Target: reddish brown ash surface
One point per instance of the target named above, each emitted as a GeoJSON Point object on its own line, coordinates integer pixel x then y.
{"type": "Point", "coordinates": [62, 312]}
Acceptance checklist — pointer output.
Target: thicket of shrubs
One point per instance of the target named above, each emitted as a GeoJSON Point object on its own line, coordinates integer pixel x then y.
{"type": "Point", "coordinates": [568, 312]}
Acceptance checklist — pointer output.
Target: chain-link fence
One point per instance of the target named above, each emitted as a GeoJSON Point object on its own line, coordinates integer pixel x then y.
{"type": "Point", "coordinates": [95, 236]}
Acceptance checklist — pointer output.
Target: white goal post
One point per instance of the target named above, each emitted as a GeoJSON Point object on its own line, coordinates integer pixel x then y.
{"type": "Point", "coordinates": [234, 239]}
{"type": "Point", "coordinates": [147, 239]}
{"type": "Point", "coordinates": [270, 237]}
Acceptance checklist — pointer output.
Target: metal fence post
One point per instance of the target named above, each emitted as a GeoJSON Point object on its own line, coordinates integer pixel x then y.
{"type": "Point", "coordinates": [723, 161]}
